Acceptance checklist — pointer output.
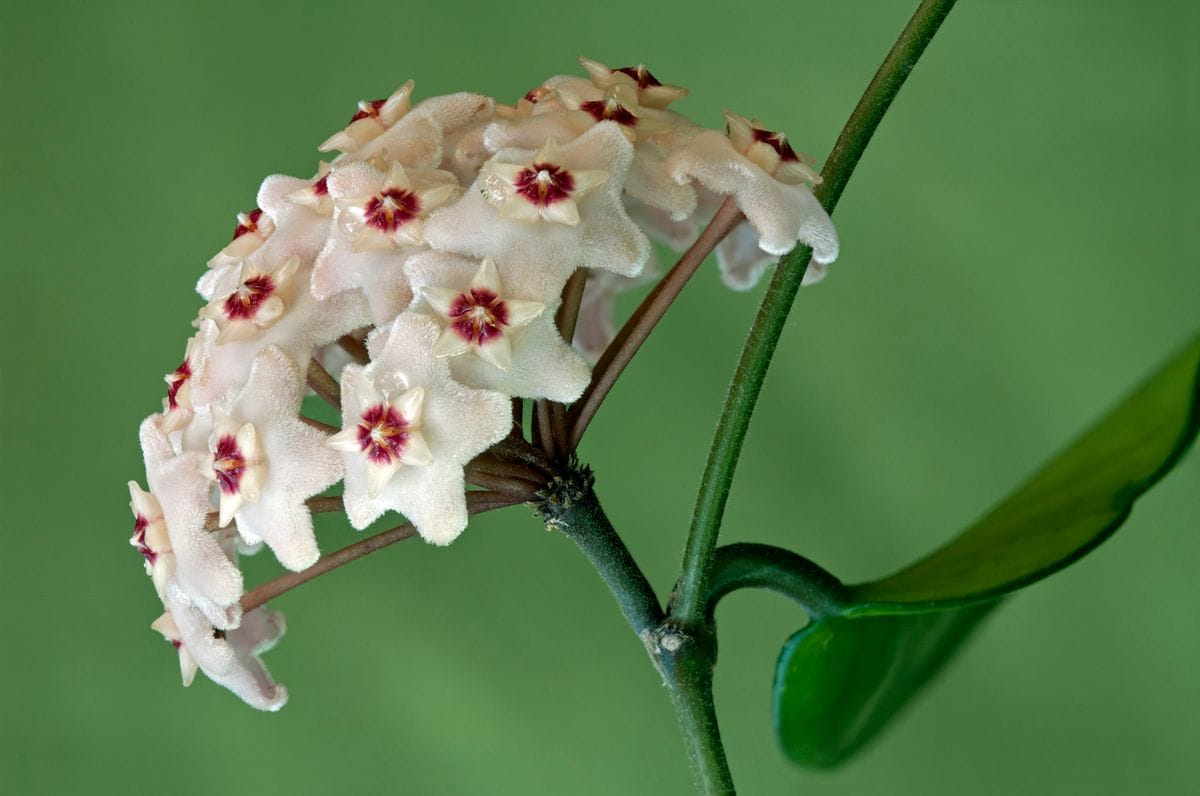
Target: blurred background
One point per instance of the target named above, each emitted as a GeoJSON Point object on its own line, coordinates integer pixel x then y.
{"type": "Point", "coordinates": [1019, 248]}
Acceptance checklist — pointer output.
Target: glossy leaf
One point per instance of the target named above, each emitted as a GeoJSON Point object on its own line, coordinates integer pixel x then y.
{"type": "Point", "coordinates": [839, 680]}
{"type": "Point", "coordinates": [1069, 507]}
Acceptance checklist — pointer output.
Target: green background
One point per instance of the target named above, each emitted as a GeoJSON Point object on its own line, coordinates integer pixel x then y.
{"type": "Point", "coordinates": [1019, 248]}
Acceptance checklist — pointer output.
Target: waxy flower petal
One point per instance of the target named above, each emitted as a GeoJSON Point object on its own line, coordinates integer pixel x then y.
{"type": "Point", "coordinates": [770, 151]}
{"type": "Point", "coordinates": [151, 538]}
{"type": "Point", "coordinates": [480, 318]}
{"type": "Point", "coordinates": [253, 229]}
{"type": "Point", "coordinates": [455, 423]}
{"type": "Point", "coordinates": [307, 323]}
{"type": "Point", "coordinates": [782, 214]}
{"type": "Point", "coordinates": [268, 462]}
{"type": "Point", "coordinates": [231, 658]}
{"type": "Point", "coordinates": [540, 364]}
{"type": "Point", "coordinates": [370, 120]}
{"type": "Point", "coordinates": [650, 92]}
{"type": "Point", "coordinates": [202, 569]}
{"type": "Point", "coordinates": [604, 236]}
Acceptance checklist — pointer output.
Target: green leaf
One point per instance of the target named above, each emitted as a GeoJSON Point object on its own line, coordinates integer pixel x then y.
{"type": "Point", "coordinates": [843, 677]}
{"type": "Point", "coordinates": [1068, 508]}
{"type": "Point", "coordinates": [839, 680]}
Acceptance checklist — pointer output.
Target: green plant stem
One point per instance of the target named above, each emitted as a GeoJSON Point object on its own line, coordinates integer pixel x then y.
{"type": "Point", "coordinates": [684, 659]}
{"type": "Point", "coordinates": [762, 566]}
{"type": "Point", "coordinates": [692, 587]}
{"type": "Point", "coordinates": [569, 505]}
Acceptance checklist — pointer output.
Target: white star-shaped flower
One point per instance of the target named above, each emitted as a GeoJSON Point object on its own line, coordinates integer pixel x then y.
{"type": "Point", "coordinates": [540, 188]}
{"type": "Point", "coordinates": [249, 298]}
{"type": "Point", "coordinates": [480, 318]}
{"type": "Point", "coordinates": [306, 323]}
{"type": "Point", "coordinates": [529, 361]}
{"type": "Point", "coordinates": [267, 462]}
{"type": "Point", "coordinates": [603, 237]}
{"type": "Point", "coordinates": [580, 105]}
{"type": "Point", "coordinates": [409, 429]}
{"type": "Point", "coordinates": [379, 223]}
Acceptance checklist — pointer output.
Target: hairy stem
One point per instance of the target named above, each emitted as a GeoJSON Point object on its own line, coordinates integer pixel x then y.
{"type": "Point", "coordinates": [323, 384]}
{"type": "Point", "coordinates": [477, 503]}
{"type": "Point", "coordinates": [639, 326]}
{"type": "Point", "coordinates": [355, 348]}
{"type": "Point", "coordinates": [772, 313]}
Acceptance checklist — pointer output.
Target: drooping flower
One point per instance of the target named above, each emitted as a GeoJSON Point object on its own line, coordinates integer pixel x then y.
{"type": "Point", "coordinates": [770, 151]}
{"type": "Point", "coordinates": [203, 571]}
{"type": "Point", "coordinates": [266, 462]}
{"type": "Point", "coordinates": [231, 658]}
{"type": "Point", "coordinates": [405, 405]}
{"type": "Point", "coordinates": [596, 326]}
{"type": "Point", "coordinates": [783, 213]}
{"type": "Point", "coordinates": [370, 120]}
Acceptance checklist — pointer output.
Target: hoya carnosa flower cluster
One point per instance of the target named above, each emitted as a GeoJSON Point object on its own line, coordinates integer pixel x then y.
{"type": "Point", "coordinates": [438, 242]}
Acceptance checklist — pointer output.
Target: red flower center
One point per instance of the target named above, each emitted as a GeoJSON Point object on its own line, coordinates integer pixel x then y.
{"type": "Point", "coordinates": [535, 94]}
{"type": "Point", "coordinates": [382, 433]}
{"type": "Point", "coordinates": [478, 315]}
{"type": "Point", "coordinates": [140, 523]}
{"type": "Point", "coordinates": [610, 110]}
{"type": "Point", "coordinates": [229, 464]}
{"type": "Point", "coordinates": [247, 222]}
{"type": "Point", "coordinates": [778, 142]}
{"type": "Point", "coordinates": [178, 378]}
{"type": "Point", "coordinates": [642, 75]}
{"type": "Point", "coordinates": [321, 186]}
{"type": "Point", "coordinates": [392, 209]}
{"type": "Point", "coordinates": [544, 183]}
{"type": "Point", "coordinates": [244, 302]}
{"type": "Point", "coordinates": [366, 109]}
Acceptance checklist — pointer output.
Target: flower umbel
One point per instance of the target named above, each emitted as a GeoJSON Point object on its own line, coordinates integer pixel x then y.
{"type": "Point", "coordinates": [456, 258]}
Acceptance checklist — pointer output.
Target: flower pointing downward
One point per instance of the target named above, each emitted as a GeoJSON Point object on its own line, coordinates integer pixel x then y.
{"type": "Point", "coordinates": [388, 432]}
{"type": "Point", "coordinates": [541, 189]}
{"type": "Point", "coordinates": [481, 320]}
